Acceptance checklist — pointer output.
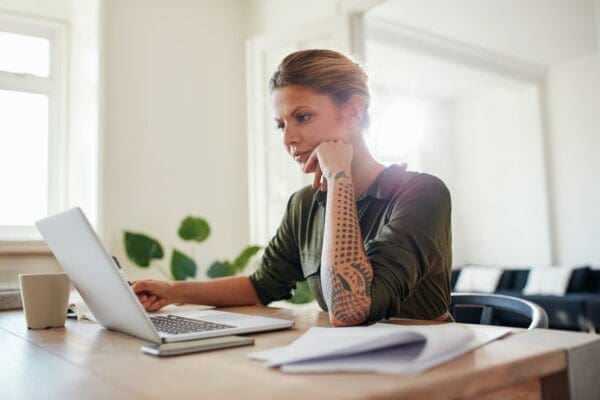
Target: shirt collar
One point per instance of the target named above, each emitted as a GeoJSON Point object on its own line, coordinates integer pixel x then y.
{"type": "Point", "coordinates": [382, 188]}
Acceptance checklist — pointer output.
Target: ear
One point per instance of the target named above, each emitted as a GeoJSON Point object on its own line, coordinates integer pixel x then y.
{"type": "Point", "coordinates": [353, 111]}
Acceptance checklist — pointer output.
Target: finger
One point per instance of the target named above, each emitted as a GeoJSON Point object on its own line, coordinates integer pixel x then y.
{"type": "Point", "coordinates": [157, 305]}
{"type": "Point", "coordinates": [148, 305]}
{"type": "Point", "coordinates": [324, 184]}
{"type": "Point", "coordinates": [317, 177]}
{"type": "Point", "coordinates": [143, 297]}
{"type": "Point", "coordinates": [311, 162]}
{"type": "Point", "coordinates": [140, 286]}
{"type": "Point", "coordinates": [135, 285]}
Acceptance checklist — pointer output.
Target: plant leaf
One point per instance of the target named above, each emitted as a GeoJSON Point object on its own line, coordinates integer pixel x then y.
{"type": "Point", "coordinates": [219, 269]}
{"type": "Point", "coordinates": [302, 294]}
{"type": "Point", "coordinates": [242, 260]}
{"type": "Point", "coordinates": [141, 249]}
{"type": "Point", "coordinates": [194, 228]}
{"type": "Point", "coordinates": [182, 266]}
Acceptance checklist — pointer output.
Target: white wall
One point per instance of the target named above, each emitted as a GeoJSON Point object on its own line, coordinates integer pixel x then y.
{"type": "Point", "coordinates": [574, 122]}
{"type": "Point", "coordinates": [174, 123]}
{"type": "Point", "coordinates": [84, 107]}
{"type": "Point", "coordinates": [58, 9]}
{"type": "Point", "coordinates": [499, 193]}
{"type": "Point", "coordinates": [276, 15]}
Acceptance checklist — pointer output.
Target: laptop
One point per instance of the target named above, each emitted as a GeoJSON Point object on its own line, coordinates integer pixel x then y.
{"type": "Point", "coordinates": [112, 301]}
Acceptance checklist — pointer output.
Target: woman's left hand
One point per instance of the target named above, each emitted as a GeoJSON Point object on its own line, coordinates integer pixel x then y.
{"type": "Point", "coordinates": [328, 159]}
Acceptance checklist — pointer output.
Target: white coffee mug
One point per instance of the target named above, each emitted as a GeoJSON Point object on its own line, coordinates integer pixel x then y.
{"type": "Point", "coordinates": [45, 299]}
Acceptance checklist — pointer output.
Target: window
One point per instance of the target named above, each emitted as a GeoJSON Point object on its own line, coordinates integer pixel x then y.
{"type": "Point", "coordinates": [32, 127]}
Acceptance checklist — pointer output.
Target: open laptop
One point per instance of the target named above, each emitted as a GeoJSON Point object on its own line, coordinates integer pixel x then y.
{"type": "Point", "coordinates": [112, 301]}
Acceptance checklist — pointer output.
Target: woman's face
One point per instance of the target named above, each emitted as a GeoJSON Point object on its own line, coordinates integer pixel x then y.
{"type": "Point", "coordinates": [307, 118]}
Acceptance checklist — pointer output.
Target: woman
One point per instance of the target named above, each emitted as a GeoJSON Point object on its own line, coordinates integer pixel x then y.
{"type": "Point", "coordinates": [373, 242]}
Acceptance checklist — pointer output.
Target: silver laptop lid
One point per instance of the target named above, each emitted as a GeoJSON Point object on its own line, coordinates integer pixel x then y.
{"type": "Point", "coordinates": [95, 274]}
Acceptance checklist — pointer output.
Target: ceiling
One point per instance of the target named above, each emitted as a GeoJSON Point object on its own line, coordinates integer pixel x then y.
{"type": "Point", "coordinates": [538, 33]}
{"type": "Point", "coordinates": [543, 32]}
{"type": "Point", "coordinates": [393, 68]}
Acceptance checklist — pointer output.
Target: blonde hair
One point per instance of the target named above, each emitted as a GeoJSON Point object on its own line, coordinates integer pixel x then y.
{"type": "Point", "coordinates": [327, 72]}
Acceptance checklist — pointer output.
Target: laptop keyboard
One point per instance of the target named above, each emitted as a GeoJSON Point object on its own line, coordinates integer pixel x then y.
{"type": "Point", "coordinates": [176, 325]}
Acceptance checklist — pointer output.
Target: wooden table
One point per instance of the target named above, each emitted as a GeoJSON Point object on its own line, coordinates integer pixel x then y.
{"type": "Point", "coordinates": [84, 360]}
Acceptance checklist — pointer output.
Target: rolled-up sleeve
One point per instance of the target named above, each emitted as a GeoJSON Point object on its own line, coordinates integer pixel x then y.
{"type": "Point", "coordinates": [407, 246]}
{"type": "Point", "coordinates": [280, 266]}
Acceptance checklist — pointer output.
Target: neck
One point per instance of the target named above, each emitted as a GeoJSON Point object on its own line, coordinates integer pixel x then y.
{"type": "Point", "coordinates": [365, 169]}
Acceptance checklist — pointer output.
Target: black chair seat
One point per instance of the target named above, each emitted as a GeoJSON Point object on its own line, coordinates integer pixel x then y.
{"type": "Point", "coordinates": [494, 309]}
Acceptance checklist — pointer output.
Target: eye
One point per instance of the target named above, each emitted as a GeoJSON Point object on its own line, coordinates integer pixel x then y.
{"type": "Point", "coordinates": [302, 117]}
{"type": "Point", "coordinates": [279, 125]}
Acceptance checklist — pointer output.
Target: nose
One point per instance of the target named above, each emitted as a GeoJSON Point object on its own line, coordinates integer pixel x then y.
{"type": "Point", "coordinates": [290, 137]}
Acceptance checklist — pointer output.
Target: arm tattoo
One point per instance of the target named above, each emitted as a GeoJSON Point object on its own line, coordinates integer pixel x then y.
{"type": "Point", "coordinates": [346, 270]}
{"type": "Point", "coordinates": [339, 175]}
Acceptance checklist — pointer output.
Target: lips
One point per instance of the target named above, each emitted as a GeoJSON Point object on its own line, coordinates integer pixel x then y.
{"type": "Point", "coordinates": [299, 155]}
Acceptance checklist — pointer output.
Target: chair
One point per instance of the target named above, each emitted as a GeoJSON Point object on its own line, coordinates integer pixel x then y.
{"type": "Point", "coordinates": [496, 309]}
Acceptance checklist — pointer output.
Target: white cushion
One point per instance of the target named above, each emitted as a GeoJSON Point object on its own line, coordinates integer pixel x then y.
{"type": "Point", "coordinates": [552, 280]}
{"type": "Point", "coordinates": [482, 279]}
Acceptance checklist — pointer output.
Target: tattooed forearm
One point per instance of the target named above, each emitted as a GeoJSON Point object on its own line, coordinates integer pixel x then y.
{"type": "Point", "coordinates": [339, 175]}
{"type": "Point", "coordinates": [346, 273]}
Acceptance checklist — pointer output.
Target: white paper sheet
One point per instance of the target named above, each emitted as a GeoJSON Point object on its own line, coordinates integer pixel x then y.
{"type": "Point", "coordinates": [384, 348]}
{"type": "Point", "coordinates": [78, 306]}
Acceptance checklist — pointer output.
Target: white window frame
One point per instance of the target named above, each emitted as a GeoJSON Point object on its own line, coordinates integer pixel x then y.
{"type": "Point", "coordinates": [55, 87]}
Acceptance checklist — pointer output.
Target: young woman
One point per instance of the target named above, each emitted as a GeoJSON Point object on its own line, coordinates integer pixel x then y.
{"type": "Point", "coordinates": [373, 242]}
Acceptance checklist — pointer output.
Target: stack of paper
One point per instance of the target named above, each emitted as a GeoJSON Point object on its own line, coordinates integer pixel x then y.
{"type": "Point", "coordinates": [385, 348]}
{"type": "Point", "coordinates": [79, 308]}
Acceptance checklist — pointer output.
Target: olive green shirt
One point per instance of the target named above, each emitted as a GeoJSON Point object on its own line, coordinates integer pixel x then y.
{"type": "Point", "coordinates": [404, 220]}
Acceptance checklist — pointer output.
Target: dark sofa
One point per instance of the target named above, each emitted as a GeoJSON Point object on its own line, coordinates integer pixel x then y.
{"type": "Point", "coordinates": [578, 309]}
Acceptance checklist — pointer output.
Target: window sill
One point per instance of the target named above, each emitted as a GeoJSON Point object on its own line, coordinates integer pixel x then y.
{"type": "Point", "coordinates": [24, 247]}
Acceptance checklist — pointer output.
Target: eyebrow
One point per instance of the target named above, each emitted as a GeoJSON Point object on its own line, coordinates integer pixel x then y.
{"type": "Point", "coordinates": [292, 113]}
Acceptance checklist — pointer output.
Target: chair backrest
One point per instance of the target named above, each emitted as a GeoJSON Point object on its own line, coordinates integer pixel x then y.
{"type": "Point", "coordinates": [491, 303]}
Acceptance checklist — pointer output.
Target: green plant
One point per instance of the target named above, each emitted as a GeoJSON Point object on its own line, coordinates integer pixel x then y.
{"type": "Point", "coordinates": [302, 294]}
{"type": "Point", "coordinates": [219, 269]}
{"type": "Point", "coordinates": [142, 249]}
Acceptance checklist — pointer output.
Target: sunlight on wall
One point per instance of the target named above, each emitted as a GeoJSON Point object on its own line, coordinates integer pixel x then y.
{"type": "Point", "coordinates": [400, 123]}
